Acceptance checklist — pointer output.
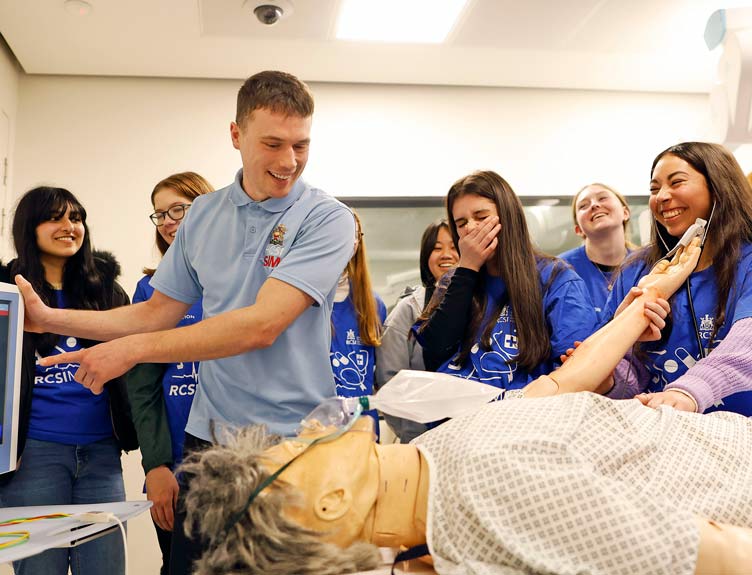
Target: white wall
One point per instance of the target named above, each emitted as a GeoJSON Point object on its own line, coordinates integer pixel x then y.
{"type": "Point", "coordinates": [9, 79]}
{"type": "Point", "coordinates": [109, 140]}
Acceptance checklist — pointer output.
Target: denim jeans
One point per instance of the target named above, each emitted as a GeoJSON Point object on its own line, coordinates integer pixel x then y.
{"type": "Point", "coordinates": [57, 474]}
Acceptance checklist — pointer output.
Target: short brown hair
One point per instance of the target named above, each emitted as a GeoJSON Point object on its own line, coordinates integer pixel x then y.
{"type": "Point", "coordinates": [278, 92]}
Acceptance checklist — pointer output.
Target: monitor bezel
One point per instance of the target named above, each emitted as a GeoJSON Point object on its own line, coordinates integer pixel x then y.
{"type": "Point", "coordinates": [9, 445]}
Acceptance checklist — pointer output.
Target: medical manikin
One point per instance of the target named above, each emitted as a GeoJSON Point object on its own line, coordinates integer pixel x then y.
{"type": "Point", "coordinates": [571, 483]}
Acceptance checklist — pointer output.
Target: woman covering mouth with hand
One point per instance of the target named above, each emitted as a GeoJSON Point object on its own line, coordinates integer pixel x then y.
{"type": "Point", "coordinates": [508, 311]}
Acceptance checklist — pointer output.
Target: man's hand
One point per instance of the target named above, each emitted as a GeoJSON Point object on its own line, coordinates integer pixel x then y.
{"type": "Point", "coordinates": [36, 313]}
{"type": "Point", "coordinates": [479, 243]}
{"type": "Point", "coordinates": [676, 399]}
{"type": "Point", "coordinates": [98, 364]}
{"type": "Point", "coordinates": [162, 490]}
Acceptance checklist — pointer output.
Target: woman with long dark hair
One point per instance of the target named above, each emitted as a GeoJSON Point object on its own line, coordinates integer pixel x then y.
{"type": "Point", "coordinates": [161, 394]}
{"type": "Point", "coordinates": [689, 181]}
{"type": "Point", "coordinates": [509, 311]}
{"type": "Point", "coordinates": [69, 439]}
{"type": "Point", "coordinates": [399, 349]}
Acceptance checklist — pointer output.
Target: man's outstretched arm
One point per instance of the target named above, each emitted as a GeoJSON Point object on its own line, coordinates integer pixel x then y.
{"type": "Point", "coordinates": [159, 312]}
{"type": "Point", "coordinates": [257, 326]}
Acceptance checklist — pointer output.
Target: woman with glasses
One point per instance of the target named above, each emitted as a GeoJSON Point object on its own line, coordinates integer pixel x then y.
{"type": "Point", "coordinates": [161, 394]}
{"type": "Point", "coordinates": [69, 439]}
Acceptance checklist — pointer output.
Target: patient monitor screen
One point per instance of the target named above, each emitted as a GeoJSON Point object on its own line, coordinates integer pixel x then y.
{"type": "Point", "coordinates": [11, 342]}
{"type": "Point", "coordinates": [4, 335]}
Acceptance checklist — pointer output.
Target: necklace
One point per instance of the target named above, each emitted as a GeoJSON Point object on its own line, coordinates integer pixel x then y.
{"type": "Point", "coordinates": [603, 270]}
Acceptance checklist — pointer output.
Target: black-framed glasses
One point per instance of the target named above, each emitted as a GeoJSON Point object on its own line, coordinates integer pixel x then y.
{"type": "Point", "coordinates": [176, 214]}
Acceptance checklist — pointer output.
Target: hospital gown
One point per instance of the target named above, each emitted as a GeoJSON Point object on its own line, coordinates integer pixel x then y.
{"type": "Point", "coordinates": [580, 483]}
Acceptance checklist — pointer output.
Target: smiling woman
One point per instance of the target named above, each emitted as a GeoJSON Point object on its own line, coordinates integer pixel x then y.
{"type": "Point", "coordinates": [61, 423]}
{"type": "Point", "coordinates": [601, 216]}
{"type": "Point", "coordinates": [688, 181]}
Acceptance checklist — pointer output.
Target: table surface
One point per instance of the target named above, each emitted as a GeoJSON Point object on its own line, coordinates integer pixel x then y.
{"type": "Point", "coordinates": [62, 532]}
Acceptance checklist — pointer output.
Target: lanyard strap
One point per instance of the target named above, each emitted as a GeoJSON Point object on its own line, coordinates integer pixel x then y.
{"type": "Point", "coordinates": [412, 553]}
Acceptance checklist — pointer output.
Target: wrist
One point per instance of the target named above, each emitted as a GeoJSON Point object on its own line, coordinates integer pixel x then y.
{"type": "Point", "coordinates": [691, 397]}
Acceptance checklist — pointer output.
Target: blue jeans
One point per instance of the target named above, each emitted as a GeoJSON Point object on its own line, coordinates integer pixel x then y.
{"type": "Point", "coordinates": [57, 474]}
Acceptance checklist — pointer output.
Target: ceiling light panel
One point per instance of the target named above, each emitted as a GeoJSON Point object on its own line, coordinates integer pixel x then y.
{"type": "Point", "coordinates": [398, 21]}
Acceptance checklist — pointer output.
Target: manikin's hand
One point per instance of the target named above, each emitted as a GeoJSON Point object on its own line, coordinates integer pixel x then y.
{"type": "Point", "coordinates": [656, 312]}
{"type": "Point", "coordinates": [162, 490]}
{"type": "Point", "coordinates": [35, 312]}
{"type": "Point", "coordinates": [667, 276]}
{"type": "Point", "coordinates": [479, 243]}
{"type": "Point", "coordinates": [675, 399]}
{"type": "Point", "coordinates": [98, 364]}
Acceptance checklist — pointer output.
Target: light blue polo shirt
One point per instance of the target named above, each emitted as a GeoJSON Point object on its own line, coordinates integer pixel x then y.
{"type": "Point", "coordinates": [224, 251]}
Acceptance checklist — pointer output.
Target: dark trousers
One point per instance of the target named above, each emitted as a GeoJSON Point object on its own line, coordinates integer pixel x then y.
{"type": "Point", "coordinates": [165, 542]}
{"type": "Point", "coordinates": [185, 550]}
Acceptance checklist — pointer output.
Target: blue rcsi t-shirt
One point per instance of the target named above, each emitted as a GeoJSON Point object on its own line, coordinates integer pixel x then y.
{"type": "Point", "coordinates": [179, 381]}
{"type": "Point", "coordinates": [352, 362]}
{"type": "Point", "coordinates": [596, 279]}
{"type": "Point", "coordinates": [63, 410]}
{"type": "Point", "coordinates": [667, 361]}
{"type": "Point", "coordinates": [569, 315]}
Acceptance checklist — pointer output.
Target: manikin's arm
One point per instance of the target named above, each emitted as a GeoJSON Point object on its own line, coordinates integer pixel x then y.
{"type": "Point", "coordinates": [278, 304]}
{"type": "Point", "coordinates": [595, 359]}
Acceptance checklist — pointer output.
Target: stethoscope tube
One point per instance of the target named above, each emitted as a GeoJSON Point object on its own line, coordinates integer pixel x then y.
{"type": "Point", "coordinates": [703, 351]}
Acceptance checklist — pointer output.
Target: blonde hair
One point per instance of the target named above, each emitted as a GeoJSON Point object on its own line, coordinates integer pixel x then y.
{"type": "Point", "coordinates": [361, 292]}
{"type": "Point", "coordinates": [618, 196]}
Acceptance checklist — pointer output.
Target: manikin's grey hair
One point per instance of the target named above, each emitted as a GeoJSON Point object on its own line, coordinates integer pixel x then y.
{"type": "Point", "coordinates": [263, 542]}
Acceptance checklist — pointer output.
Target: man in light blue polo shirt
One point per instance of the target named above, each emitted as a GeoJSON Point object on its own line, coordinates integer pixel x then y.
{"type": "Point", "coordinates": [265, 254]}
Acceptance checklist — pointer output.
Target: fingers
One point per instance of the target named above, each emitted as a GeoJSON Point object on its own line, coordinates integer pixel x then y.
{"type": "Point", "coordinates": [161, 513]}
{"type": "Point", "coordinates": [669, 398]}
{"type": "Point", "coordinates": [656, 313]}
{"type": "Point", "coordinates": [632, 294]}
{"type": "Point", "coordinates": [68, 357]}
{"type": "Point", "coordinates": [643, 398]}
{"type": "Point", "coordinates": [22, 282]}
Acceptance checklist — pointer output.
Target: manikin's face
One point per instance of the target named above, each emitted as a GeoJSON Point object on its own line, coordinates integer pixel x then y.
{"type": "Point", "coordinates": [678, 195]}
{"type": "Point", "coordinates": [598, 211]}
{"type": "Point", "coordinates": [444, 255]}
{"type": "Point", "coordinates": [164, 199]}
{"type": "Point", "coordinates": [470, 210]}
{"type": "Point", "coordinates": [338, 481]}
{"type": "Point", "coordinates": [62, 237]}
{"type": "Point", "coordinates": [274, 151]}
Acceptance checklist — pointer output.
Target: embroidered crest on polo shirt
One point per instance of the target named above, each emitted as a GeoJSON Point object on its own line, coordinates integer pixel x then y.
{"type": "Point", "coordinates": [273, 253]}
